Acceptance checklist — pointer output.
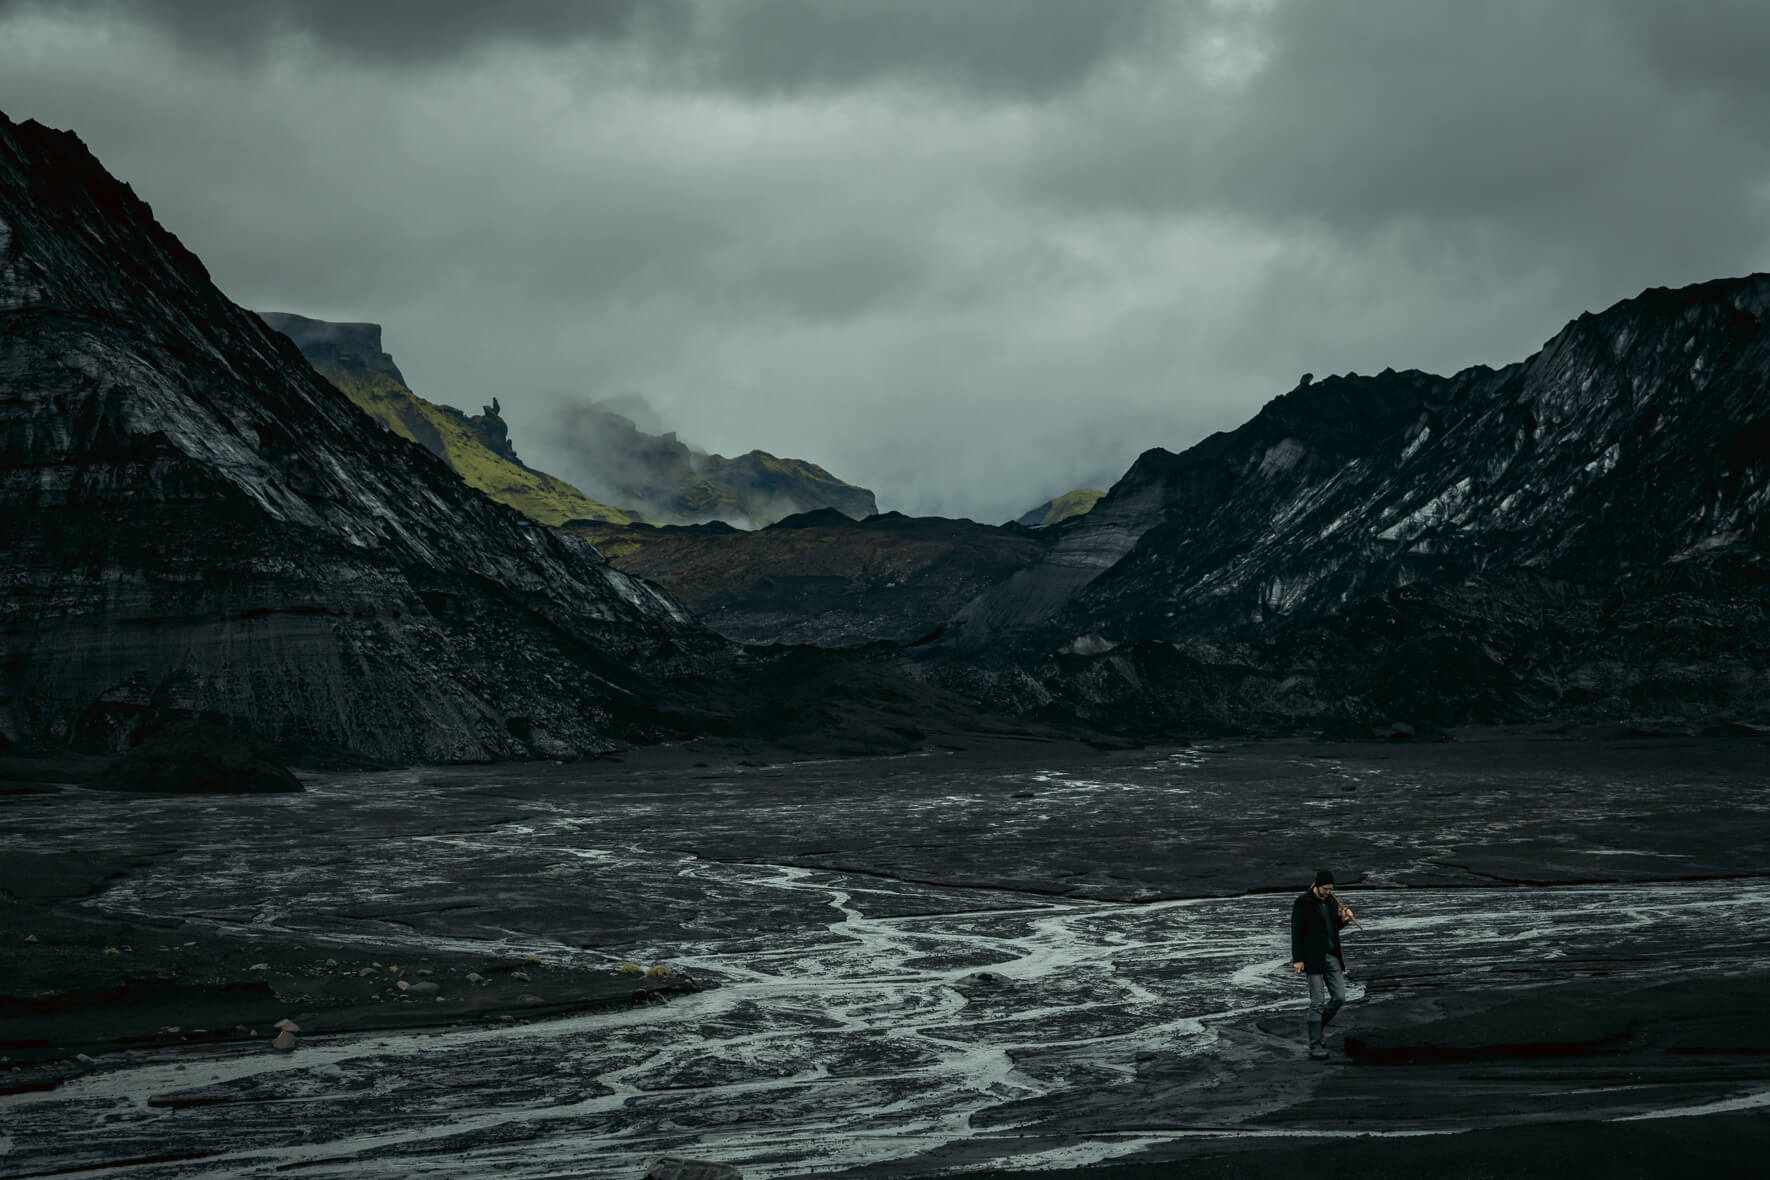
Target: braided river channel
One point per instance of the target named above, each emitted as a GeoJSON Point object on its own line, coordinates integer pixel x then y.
{"type": "Point", "coordinates": [916, 965]}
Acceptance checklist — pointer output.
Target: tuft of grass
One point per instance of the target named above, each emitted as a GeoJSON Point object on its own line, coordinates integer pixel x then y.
{"type": "Point", "coordinates": [631, 969]}
{"type": "Point", "coordinates": [657, 971]}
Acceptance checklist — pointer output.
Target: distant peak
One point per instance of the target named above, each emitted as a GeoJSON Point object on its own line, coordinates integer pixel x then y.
{"type": "Point", "coordinates": [349, 345]}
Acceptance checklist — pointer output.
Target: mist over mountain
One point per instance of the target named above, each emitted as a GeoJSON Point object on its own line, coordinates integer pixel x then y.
{"type": "Point", "coordinates": [476, 447]}
{"type": "Point", "coordinates": [668, 481]}
{"type": "Point", "coordinates": [640, 472]}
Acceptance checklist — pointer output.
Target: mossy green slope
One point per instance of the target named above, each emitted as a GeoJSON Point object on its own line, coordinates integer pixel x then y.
{"type": "Point", "coordinates": [1076, 503]}
{"type": "Point", "coordinates": [456, 439]}
{"type": "Point", "coordinates": [476, 447]}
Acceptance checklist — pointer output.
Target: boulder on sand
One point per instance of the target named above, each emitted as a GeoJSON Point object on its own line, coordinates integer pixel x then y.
{"type": "Point", "coordinates": [197, 757]}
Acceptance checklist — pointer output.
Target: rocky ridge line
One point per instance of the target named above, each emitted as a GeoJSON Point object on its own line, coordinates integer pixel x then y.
{"type": "Point", "coordinates": [195, 523]}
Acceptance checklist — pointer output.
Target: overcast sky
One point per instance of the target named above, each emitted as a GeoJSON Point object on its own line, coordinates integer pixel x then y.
{"type": "Point", "coordinates": [967, 253]}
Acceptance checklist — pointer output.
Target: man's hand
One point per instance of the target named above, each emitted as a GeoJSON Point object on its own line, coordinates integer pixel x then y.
{"type": "Point", "coordinates": [1297, 967]}
{"type": "Point", "coordinates": [1346, 912]}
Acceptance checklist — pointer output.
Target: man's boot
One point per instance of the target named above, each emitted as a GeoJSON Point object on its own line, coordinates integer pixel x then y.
{"type": "Point", "coordinates": [1316, 1048]}
{"type": "Point", "coordinates": [1327, 1016]}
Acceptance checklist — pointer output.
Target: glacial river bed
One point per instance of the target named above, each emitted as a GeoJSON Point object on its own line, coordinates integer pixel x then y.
{"type": "Point", "coordinates": [940, 962]}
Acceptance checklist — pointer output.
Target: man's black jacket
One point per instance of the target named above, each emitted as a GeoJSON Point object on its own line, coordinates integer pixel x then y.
{"type": "Point", "coordinates": [1309, 937]}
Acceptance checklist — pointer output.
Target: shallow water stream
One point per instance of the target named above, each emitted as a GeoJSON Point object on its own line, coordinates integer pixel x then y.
{"type": "Point", "coordinates": [912, 960]}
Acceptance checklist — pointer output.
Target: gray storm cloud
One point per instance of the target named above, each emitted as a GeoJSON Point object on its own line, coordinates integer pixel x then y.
{"type": "Point", "coordinates": [967, 255]}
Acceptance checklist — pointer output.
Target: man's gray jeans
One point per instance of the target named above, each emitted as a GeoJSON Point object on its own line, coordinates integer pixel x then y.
{"type": "Point", "coordinates": [1327, 993]}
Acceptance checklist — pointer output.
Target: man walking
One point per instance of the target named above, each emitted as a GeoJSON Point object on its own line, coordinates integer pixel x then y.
{"type": "Point", "coordinates": [1316, 919]}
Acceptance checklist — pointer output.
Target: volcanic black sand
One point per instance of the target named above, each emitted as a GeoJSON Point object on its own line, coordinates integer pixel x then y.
{"type": "Point", "coordinates": [1022, 956]}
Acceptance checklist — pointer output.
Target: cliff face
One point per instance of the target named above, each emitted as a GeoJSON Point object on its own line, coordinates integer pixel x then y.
{"type": "Point", "coordinates": [194, 522]}
{"type": "Point", "coordinates": [1578, 534]}
{"type": "Point", "coordinates": [477, 447]}
{"type": "Point", "coordinates": [668, 481]}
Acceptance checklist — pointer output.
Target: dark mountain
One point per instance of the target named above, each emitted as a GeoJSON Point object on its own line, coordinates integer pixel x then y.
{"type": "Point", "coordinates": [1581, 533]}
{"type": "Point", "coordinates": [1634, 438]}
{"type": "Point", "coordinates": [476, 447]}
{"type": "Point", "coordinates": [668, 481]}
{"type": "Point", "coordinates": [195, 523]}
{"type": "Point", "coordinates": [820, 577]}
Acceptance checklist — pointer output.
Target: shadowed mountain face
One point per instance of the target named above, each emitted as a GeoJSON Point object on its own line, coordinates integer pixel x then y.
{"type": "Point", "coordinates": [194, 522]}
{"type": "Point", "coordinates": [819, 577]}
{"type": "Point", "coordinates": [668, 481]}
{"type": "Point", "coordinates": [477, 447]}
{"type": "Point", "coordinates": [1577, 534]}
{"type": "Point", "coordinates": [1634, 438]}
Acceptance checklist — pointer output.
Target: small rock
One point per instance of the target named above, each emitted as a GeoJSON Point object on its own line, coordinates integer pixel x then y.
{"type": "Point", "coordinates": [284, 1042]}
{"type": "Point", "coordinates": [172, 1028]}
{"type": "Point", "coordinates": [287, 1025]}
{"type": "Point", "coordinates": [424, 987]}
{"type": "Point", "coordinates": [366, 972]}
{"type": "Point", "coordinates": [425, 971]}
{"type": "Point", "coordinates": [30, 938]}
{"type": "Point", "coordinates": [475, 977]}
{"type": "Point", "coordinates": [529, 998]}
{"type": "Point", "coordinates": [521, 976]}
{"type": "Point", "coordinates": [675, 1168]}
{"type": "Point", "coordinates": [331, 962]}
{"type": "Point", "coordinates": [259, 967]}
{"type": "Point", "coordinates": [404, 986]}
{"type": "Point", "coordinates": [82, 1059]}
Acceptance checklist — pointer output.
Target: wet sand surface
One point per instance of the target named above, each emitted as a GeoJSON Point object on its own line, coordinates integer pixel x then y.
{"type": "Point", "coordinates": [1007, 960]}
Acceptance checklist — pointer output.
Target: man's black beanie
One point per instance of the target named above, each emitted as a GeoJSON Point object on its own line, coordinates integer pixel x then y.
{"type": "Point", "coordinates": [1324, 877]}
